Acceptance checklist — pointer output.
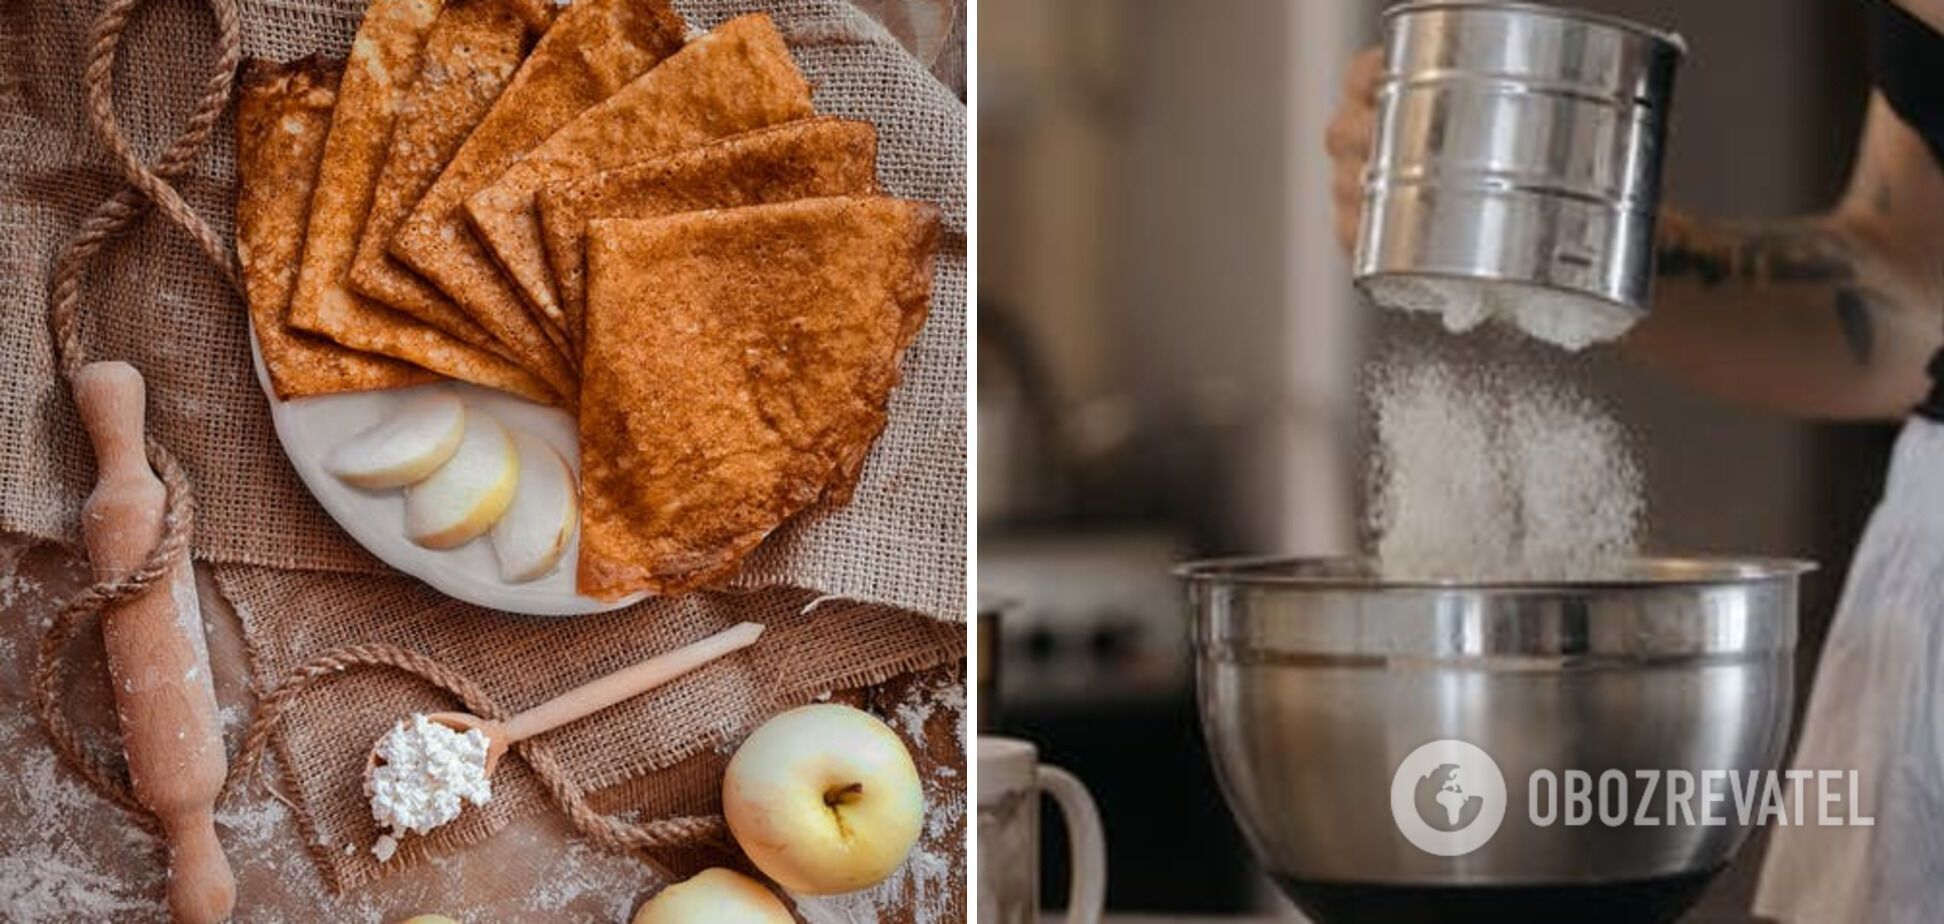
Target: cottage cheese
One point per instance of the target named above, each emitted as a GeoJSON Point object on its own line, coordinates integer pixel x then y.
{"type": "Point", "coordinates": [426, 775]}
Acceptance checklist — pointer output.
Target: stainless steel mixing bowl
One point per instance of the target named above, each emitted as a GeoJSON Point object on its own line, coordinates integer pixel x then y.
{"type": "Point", "coordinates": [1518, 143]}
{"type": "Point", "coordinates": [1317, 679]}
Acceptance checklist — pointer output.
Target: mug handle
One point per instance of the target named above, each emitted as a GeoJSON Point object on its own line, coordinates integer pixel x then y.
{"type": "Point", "coordinates": [1086, 844]}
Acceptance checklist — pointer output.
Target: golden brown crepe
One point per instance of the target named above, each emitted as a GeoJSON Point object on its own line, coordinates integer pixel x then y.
{"type": "Point", "coordinates": [795, 160]}
{"type": "Point", "coordinates": [384, 57]}
{"type": "Point", "coordinates": [537, 14]}
{"type": "Point", "coordinates": [469, 56]}
{"type": "Point", "coordinates": [739, 364]}
{"type": "Point", "coordinates": [593, 49]}
{"type": "Point", "coordinates": [282, 116]}
{"type": "Point", "coordinates": [734, 79]}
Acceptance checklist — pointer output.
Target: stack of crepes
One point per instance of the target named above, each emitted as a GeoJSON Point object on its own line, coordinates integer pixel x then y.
{"type": "Point", "coordinates": [582, 209]}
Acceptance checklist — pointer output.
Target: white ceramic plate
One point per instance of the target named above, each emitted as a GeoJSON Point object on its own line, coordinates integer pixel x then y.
{"type": "Point", "coordinates": [310, 427]}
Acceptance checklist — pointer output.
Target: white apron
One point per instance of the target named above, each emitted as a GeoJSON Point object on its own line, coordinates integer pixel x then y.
{"type": "Point", "coordinates": [1876, 709]}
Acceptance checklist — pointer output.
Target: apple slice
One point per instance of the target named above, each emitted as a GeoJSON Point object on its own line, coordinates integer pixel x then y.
{"type": "Point", "coordinates": [529, 538]}
{"type": "Point", "coordinates": [467, 495]}
{"type": "Point", "coordinates": [418, 437]}
{"type": "Point", "coordinates": [714, 896]}
{"type": "Point", "coordinates": [824, 799]}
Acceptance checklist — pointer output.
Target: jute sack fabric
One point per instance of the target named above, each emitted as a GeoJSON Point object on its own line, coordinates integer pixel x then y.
{"type": "Point", "coordinates": [660, 755]}
{"type": "Point", "coordinates": [853, 596]}
{"type": "Point", "coordinates": [152, 300]}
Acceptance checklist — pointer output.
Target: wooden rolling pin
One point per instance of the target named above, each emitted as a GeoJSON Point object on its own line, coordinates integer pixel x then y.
{"type": "Point", "coordinates": [158, 660]}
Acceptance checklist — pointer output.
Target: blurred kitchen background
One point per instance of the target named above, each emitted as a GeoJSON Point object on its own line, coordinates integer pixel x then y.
{"type": "Point", "coordinates": [1169, 359]}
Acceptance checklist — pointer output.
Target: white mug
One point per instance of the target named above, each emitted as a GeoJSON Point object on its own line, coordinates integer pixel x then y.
{"type": "Point", "coordinates": [1011, 780]}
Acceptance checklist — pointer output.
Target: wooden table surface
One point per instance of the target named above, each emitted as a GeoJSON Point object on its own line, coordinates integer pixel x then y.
{"type": "Point", "coordinates": [67, 856]}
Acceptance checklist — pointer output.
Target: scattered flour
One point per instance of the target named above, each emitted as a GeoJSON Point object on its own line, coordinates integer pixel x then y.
{"type": "Point", "coordinates": [578, 875]}
{"type": "Point", "coordinates": [425, 776]}
{"type": "Point", "coordinates": [253, 823]}
{"type": "Point", "coordinates": [1564, 319]}
{"type": "Point", "coordinates": [47, 874]}
{"type": "Point", "coordinates": [12, 583]}
{"type": "Point", "coordinates": [19, 583]}
{"type": "Point", "coordinates": [1492, 472]}
{"type": "Point", "coordinates": [231, 717]}
{"type": "Point", "coordinates": [48, 887]}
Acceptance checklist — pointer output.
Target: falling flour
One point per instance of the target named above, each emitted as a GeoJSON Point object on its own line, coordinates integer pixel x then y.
{"type": "Point", "coordinates": [1492, 472]}
{"type": "Point", "coordinates": [425, 775]}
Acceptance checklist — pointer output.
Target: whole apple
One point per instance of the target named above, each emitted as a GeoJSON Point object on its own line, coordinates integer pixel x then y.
{"type": "Point", "coordinates": [714, 896]}
{"type": "Point", "coordinates": [824, 799]}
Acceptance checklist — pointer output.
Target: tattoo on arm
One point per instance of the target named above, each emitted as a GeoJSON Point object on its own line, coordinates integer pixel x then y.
{"type": "Point", "coordinates": [1853, 306]}
{"type": "Point", "coordinates": [1775, 255]}
{"type": "Point", "coordinates": [1766, 255]}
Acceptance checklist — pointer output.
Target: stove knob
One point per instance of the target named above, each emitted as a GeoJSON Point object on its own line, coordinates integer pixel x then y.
{"type": "Point", "coordinates": [1114, 640]}
{"type": "Point", "coordinates": [1041, 644]}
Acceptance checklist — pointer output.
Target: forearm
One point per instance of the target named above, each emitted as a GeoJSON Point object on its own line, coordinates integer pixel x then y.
{"type": "Point", "coordinates": [1810, 317]}
{"type": "Point", "coordinates": [1832, 316]}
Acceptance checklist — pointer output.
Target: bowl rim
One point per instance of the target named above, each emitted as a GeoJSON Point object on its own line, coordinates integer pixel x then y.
{"type": "Point", "coordinates": [1655, 572]}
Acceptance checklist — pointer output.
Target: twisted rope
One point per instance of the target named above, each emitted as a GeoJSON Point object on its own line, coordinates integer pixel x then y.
{"type": "Point", "coordinates": [148, 186]}
{"type": "Point", "coordinates": [109, 220]}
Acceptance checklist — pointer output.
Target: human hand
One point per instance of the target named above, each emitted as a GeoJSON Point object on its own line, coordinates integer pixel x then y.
{"type": "Point", "coordinates": [1348, 141]}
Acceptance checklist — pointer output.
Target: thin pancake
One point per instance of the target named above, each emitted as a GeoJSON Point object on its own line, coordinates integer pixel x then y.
{"type": "Point", "coordinates": [383, 59]}
{"type": "Point", "coordinates": [282, 116]}
{"type": "Point", "coordinates": [739, 364]}
{"type": "Point", "coordinates": [736, 78]}
{"type": "Point", "coordinates": [537, 14]}
{"type": "Point", "coordinates": [795, 160]}
{"type": "Point", "coordinates": [470, 55]}
{"type": "Point", "coordinates": [592, 50]}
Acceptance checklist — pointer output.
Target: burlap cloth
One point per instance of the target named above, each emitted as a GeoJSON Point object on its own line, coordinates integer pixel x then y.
{"type": "Point", "coordinates": [894, 558]}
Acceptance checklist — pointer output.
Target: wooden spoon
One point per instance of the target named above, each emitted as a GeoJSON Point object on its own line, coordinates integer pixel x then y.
{"type": "Point", "coordinates": [590, 697]}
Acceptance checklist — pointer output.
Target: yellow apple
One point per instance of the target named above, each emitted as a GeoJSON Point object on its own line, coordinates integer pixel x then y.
{"type": "Point", "coordinates": [714, 896]}
{"type": "Point", "coordinates": [418, 437]}
{"type": "Point", "coordinates": [824, 799]}
{"type": "Point", "coordinates": [467, 494]}
{"type": "Point", "coordinates": [529, 538]}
